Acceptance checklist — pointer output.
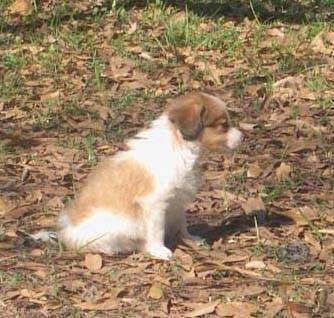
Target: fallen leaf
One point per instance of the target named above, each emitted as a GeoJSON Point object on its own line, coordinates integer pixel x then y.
{"type": "Point", "coordinates": [133, 27]}
{"type": "Point", "coordinates": [245, 291]}
{"type": "Point", "coordinates": [36, 252]}
{"type": "Point", "coordinates": [274, 307]}
{"type": "Point", "coordinates": [21, 7]}
{"type": "Point", "coordinates": [50, 95]}
{"type": "Point", "coordinates": [298, 307]}
{"type": "Point", "coordinates": [247, 126]}
{"type": "Point", "coordinates": [330, 37]}
{"type": "Point", "coordinates": [107, 304]}
{"type": "Point", "coordinates": [156, 291]}
{"type": "Point", "coordinates": [273, 268]}
{"type": "Point", "coordinates": [166, 306]}
{"type": "Point", "coordinates": [11, 233]}
{"type": "Point", "coordinates": [12, 294]}
{"type": "Point", "coordinates": [315, 247]}
{"type": "Point", "coordinates": [301, 145]}
{"type": "Point", "coordinates": [255, 265]}
{"type": "Point", "coordinates": [253, 205]}
{"type": "Point", "coordinates": [253, 171]}
{"type": "Point", "coordinates": [276, 32]}
{"type": "Point", "coordinates": [4, 206]}
{"type": "Point", "coordinates": [146, 56]}
{"type": "Point", "coordinates": [236, 309]}
{"type": "Point", "coordinates": [318, 46]}
{"type": "Point", "coordinates": [19, 211]}
{"type": "Point", "coordinates": [283, 172]}
{"type": "Point", "coordinates": [93, 262]}
{"type": "Point", "coordinates": [203, 309]}
{"type": "Point", "coordinates": [40, 273]}
{"type": "Point", "coordinates": [186, 260]}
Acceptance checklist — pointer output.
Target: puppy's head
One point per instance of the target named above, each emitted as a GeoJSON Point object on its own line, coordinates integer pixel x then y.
{"type": "Point", "coordinates": [204, 119]}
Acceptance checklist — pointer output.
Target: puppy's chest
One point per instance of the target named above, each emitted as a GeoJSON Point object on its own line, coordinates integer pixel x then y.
{"type": "Point", "coordinates": [187, 187]}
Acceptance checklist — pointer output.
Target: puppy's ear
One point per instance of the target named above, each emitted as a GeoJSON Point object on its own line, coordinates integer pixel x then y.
{"type": "Point", "coordinates": [187, 115]}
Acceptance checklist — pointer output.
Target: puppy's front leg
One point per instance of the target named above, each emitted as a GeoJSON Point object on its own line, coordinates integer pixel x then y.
{"type": "Point", "coordinates": [155, 236]}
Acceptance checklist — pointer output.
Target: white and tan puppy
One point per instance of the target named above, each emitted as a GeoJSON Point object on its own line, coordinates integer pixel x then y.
{"type": "Point", "coordinates": [137, 198]}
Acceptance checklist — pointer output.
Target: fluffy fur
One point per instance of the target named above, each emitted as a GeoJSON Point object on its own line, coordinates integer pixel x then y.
{"type": "Point", "coordinates": [137, 198]}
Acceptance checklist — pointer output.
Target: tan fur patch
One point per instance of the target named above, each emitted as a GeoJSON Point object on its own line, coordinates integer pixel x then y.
{"type": "Point", "coordinates": [213, 140]}
{"type": "Point", "coordinates": [114, 186]}
{"type": "Point", "coordinates": [201, 116]}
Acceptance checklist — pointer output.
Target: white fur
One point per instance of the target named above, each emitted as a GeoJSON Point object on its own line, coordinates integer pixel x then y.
{"type": "Point", "coordinates": [173, 169]}
{"type": "Point", "coordinates": [102, 232]}
{"type": "Point", "coordinates": [234, 137]}
{"type": "Point", "coordinates": [175, 185]}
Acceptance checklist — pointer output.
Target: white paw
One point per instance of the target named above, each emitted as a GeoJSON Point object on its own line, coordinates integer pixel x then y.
{"type": "Point", "coordinates": [159, 252]}
{"type": "Point", "coordinates": [194, 238]}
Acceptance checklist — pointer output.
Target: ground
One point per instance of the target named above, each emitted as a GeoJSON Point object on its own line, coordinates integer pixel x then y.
{"type": "Point", "coordinates": [78, 78]}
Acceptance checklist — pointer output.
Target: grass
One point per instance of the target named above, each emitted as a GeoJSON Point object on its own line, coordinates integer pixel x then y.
{"type": "Point", "coordinates": [97, 66]}
{"type": "Point", "coordinates": [10, 278]}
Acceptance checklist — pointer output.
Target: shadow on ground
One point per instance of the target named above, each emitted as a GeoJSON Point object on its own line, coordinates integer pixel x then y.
{"type": "Point", "coordinates": [294, 12]}
{"type": "Point", "coordinates": [237, 223]}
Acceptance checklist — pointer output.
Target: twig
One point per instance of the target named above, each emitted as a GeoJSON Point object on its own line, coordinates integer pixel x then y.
{"type": "Point", "coordinates": [253, 11]}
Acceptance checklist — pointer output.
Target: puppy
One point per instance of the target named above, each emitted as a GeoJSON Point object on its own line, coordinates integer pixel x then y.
{"type": "Point", "coordinates": [137, 198]}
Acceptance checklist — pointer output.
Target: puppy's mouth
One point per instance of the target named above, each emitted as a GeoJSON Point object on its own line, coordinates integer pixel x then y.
{"type": "Point", "coordinates": [234, 138]}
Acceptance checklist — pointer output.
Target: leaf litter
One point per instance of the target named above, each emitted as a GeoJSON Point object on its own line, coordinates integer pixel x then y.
{"type": "Point", "coordinates": [73, 94]}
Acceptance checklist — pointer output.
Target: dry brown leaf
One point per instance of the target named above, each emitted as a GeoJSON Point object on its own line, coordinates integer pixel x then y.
{"type": "Point", "coordinates": [318, 46]}
{"type": "Point", "coordinates": [203, 309]}
{"type": "Point", "coordinates": [236, 309]}
{"type": "Point", "coordinates": [253, 205]}
{"type": "Point", "coordinates": [255, 265]}
{"type": "Point", "coordinates": [283, 172]}
{"type": "Point", "coordinates": [50, 95]}
{"type": "Point", "coordinates": [36, 252]}
{"type": "Point", "coordinates": [330, 37]}
{"type": "Point", "coordinates": [146, 56]}
{"type": "Point", "coordinates": [156, 291]}
{"type": "Point", "coordinates": [40, 273]}
{"type": "Point", "coordinates": [186, 259]}
{"type": "Point", "coordinates": [27, 293]}
{"type": "Point", "coordinates": [274, 307]}
{"type": "Point", "coordinates": [276, 32]}
{"type": "Point", "coordinates": [21, 7]}
{"type": "Point", "coordinates": [254, 171]}
{"type": "Point", "coordinates": [298, 308]}
{"type": "Point", "coordinates": [301, 145]}
{"type": "Point", "coordinates": [247, 126]}
{"type": "Point", "coordinates": [302, 215]}
{"type": "Point", "coordinates": [107, 304]}
{"type": "Point", "coordinates": [11, 233]}
{"type": "Point", "coordinates": [93, 262]}
{"type": "Point", "coordinates": [245, 291]}
{"type": "Point", "coordinates": [133, 27]}
{"type": "Point", "coordinates": [5, 206]}
{"type": "Point", "coordinates": [12, 294]}
{"type": "Point", "coordinates": [314, 244]}
{"type": "Point", "coordinates": [166, 306]}
{"type": "Point", "coordinates": [19, 211]}
{"type": "Point", "coordinates": [273, 268]}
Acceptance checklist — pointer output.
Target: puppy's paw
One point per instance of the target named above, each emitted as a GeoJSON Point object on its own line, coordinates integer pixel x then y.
{"type": "Point", "coordinates": [159, 252]}
{"type": "Point", "coordinates": [193, 238]}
